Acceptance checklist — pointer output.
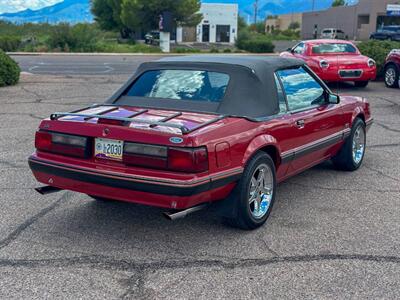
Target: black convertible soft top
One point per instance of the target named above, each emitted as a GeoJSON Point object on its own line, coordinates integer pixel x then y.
{"type": "Point", "coordinates": [251, 92]}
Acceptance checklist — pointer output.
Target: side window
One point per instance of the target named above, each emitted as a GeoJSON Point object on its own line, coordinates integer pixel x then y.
{"type": "Point", "coordinates": [281, 96]}
{"type": "Point", "coordinates": [302, 90]}
{"type": "Point", "coordinates": [300, 48]}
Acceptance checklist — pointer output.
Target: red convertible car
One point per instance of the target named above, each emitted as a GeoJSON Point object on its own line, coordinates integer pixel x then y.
{"type": "Point", "coordinates": [335, 61]}
{"type": "Point", "coordinates": [185, 132]}
{"type": "Point", "coordinates": [392, 69]}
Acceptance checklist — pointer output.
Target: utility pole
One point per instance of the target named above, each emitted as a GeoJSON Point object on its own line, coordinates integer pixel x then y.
{"type": "Point", "coordinates": [255, 11]}
{"type": "Point", "coordinates": [313, 5]}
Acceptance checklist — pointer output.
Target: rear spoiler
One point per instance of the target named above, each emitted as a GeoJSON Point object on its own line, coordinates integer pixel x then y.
{"type": "Point", "coordinates": [132, 118]}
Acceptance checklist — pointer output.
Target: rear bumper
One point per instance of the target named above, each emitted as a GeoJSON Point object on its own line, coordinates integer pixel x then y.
{"type": "Point", "coordinates": [154, 192]}
{"type": "Point", "coordinates": [333, 76]}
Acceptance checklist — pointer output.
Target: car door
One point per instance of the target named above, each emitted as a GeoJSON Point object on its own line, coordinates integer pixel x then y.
{"type": "Point", "coordinates": [316, 125]}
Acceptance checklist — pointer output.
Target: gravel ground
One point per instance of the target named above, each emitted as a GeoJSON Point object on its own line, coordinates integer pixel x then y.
{"type": "Point", "coordinates": [331, 234]}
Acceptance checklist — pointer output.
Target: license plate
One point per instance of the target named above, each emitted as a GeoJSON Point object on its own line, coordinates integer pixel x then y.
{"type": "Point", "coordinates": [350, 74]}
{"type": "Point", "coordinates": [109, 149]}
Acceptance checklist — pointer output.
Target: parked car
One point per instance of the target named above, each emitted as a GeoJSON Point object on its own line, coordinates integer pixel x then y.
{"type": "Point", "coordinates": [391, 33]}
{"type": "Point", "coordinates": [152, 38]}
{"type": "Point", "coordinates": [392, 69]}
{"type": "Point", "coordinates": [333, 33]}
{"type": "Point", "coordinates": [188, 131]}
{"type": "Point", "coordinates": [335, 61]}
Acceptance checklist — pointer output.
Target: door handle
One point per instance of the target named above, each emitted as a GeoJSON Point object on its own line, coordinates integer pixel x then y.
{"type": "Point", "coordinates": [300, 124]}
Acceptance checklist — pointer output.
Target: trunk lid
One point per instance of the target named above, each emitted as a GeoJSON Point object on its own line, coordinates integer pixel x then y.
{"type": "Point", "coordinates": [157, 126]}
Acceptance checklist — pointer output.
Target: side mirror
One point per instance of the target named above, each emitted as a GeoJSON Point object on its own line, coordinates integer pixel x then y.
{"type": "Point", "coordinates": [289, 50]}
{"type": "Point", "coordinates": [333, 99]}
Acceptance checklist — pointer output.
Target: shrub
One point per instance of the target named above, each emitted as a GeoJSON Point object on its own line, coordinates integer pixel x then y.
{"type": "Point", "coordinates": [227, 50]}
{"type": "Point", "coordinates": [9, 70]}
{"type": "Point", "coordinates": [186, 50]}
{"type": "Point", "coordinates": [80, 37]}
{"type": "Point", "coordinates": [259, 46]}
{"type": "Point", "coordinates": [378, 50]}
{"type": "Point", "coordinates": [125, 48]}
{"type": "Point", "coordinates": [85, 37]}
{"type": "Point", "coordinates": [254, 42]}
{"type": "Point", "coordinates": [214, 50]}
{"type": "Point", "coordinates": [61, 37]}
{"type": "Point", "coordinates": [9, 43]}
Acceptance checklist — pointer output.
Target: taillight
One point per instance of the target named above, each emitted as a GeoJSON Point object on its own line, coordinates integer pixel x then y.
{"type": "Point", "coordinates": [43, 140]}
{"type": "Point", "coordinates": [110, 122]}
{"type": "Point", "coordinates": [70, 145]}
{"type": "Point", "coordinates": [145, 155]}
{"type": "Point", "coordinates": [188, 160]}
{"type": "Point", "coordinates": [191, 160]}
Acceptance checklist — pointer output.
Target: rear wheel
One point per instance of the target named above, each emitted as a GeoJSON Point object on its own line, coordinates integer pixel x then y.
{"type": "Point", "coordinates": [361, 83]}
{"type": "Point", "coordinates": [255, 193]}
{"type": "Point", "coordinates": [392, 76]}
{"type": "Point", "coordinates": [351, 156]}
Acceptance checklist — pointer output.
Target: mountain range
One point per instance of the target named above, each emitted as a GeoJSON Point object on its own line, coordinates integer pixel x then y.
{"type": "Point", "coordinates": [76, 11]}
{"type": "Point", "coordinates": [72, 11]}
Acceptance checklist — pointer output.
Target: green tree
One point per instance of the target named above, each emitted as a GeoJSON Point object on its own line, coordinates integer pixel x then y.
{"type": "Point", "coordinates": [107, 14]}
{"type": "Point", "coordinates": [242, 24]}
{"type": "Point", "coordinates": [258, 27]}
{"type": "Point", "coordinates": [338, 3]}
{"type": "Point", "coordinates": [144, 14]}
{"type": "Point", "coordinates": [294, 26]}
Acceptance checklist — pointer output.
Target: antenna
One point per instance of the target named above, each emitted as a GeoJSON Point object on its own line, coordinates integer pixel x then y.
{"type": "Point", "coordinates": [255, 11]}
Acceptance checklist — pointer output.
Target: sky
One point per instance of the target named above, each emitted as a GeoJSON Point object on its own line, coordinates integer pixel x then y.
{"type": "Point", "coordinates": [18, 5]}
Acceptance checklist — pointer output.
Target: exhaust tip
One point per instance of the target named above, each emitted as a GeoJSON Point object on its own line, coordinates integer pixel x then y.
{"type": "Point", "coordinates": [172, 216]}
{"type": "Point", "coordinates": [44, 190]}
{"type": "Point", "coordinates": [167, 215]}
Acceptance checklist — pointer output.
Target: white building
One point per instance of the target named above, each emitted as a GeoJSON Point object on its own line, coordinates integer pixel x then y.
{"type": "Point", "coordinates": [219, 25]}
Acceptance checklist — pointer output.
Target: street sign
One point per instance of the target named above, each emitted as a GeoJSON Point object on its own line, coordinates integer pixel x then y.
{"type": "Point", "coordinates": [393, 9]}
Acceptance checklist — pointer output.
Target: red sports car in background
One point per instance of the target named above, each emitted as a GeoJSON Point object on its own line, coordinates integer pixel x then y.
{"type": "Point", "coordinates": [335, 61]}
{"type": "Point", "coordinates": [187, 131]}
{"type": "Point", "coordinates": [392, 69]}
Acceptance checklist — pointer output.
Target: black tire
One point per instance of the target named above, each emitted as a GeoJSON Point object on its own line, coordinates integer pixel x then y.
{"type": "Point", "coordinates": [361, 84]}
{"type": "Point", "coordinates": [344, 159]}
{"type": "Point", "coordinates": [392, 68]}
{"type": "Point", "coordinates": [243, 217]}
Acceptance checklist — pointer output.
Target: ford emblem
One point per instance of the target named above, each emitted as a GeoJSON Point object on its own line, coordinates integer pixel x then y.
{"type": "Point", "coordinates": [176, 140]}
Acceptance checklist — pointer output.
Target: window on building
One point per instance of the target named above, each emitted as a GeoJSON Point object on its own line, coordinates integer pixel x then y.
{"type": "Point", "coordinates": [362, 20]}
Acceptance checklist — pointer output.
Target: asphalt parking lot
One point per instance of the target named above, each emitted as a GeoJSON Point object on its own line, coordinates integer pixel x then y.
{"type": "Point", "coordinates": [331, 234]}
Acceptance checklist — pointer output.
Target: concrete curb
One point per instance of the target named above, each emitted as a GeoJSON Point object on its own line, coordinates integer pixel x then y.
{"type": "Point", "coordinates": [129, 54]}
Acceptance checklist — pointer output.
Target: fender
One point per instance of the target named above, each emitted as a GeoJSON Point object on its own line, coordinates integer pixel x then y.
{"type": "Point", "coordinates": [258, 143]}
{"type": "Point", "coordinates": [358, 110]}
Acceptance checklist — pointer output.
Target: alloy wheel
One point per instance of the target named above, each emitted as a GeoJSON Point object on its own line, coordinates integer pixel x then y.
{"type": "Point", "coordinates": [390, 76]}
{"type": "Point", "coordinates": [261, 191]}
{"type": "Point", "coordinates": [358, 145]}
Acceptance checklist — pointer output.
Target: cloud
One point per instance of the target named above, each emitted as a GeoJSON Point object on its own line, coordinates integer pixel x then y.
{"type": "Point", "coordinates": [18, 5]}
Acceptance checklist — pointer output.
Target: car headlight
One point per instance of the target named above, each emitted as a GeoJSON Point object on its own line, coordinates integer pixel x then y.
{"type": "Point", "coordinates": [371, 63]}
{"type": "Point", "coordinates": [324, 64]}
